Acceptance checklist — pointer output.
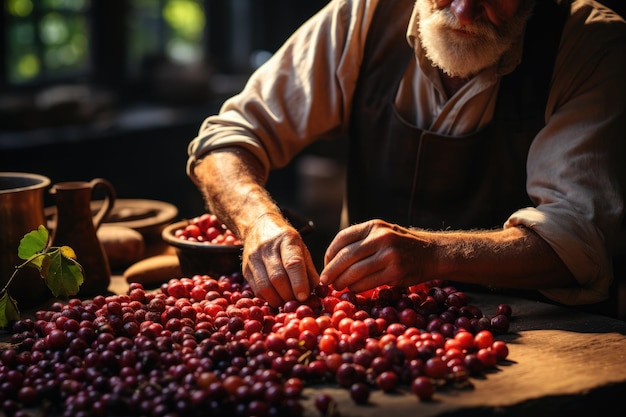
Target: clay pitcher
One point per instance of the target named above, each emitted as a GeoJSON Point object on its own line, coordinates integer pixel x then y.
{"type": "Point", "coordinates": [21, 212]}
{"type": "Point", "coordinates": [76, 226]}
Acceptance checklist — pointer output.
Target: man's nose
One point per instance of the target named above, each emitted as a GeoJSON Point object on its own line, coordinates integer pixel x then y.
{"type": "Point", "coordinates": [466, 11]}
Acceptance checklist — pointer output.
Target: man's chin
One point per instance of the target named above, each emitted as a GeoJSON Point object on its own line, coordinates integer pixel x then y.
{"type": "Point", "coordinates": [458, 56]}
{"type": "Point", "coordinates": [464, 72]}
{"type": "Point", "coordinates": [461, 67]}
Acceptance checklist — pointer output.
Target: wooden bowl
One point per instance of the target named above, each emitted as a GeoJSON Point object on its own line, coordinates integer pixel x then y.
{"type": "Point", "coordinates": [201, 258]}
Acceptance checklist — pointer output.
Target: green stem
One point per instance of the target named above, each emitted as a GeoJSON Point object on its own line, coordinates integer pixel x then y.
{"type": "Point", "coordinates": [17, 269]}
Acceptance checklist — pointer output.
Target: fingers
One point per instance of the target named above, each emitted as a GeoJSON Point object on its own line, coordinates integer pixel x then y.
{"type": "Point", "coordinates": [368, 255]}
{"type": "Point", "coordinates": [300, 270]}
{"type": "Point", "coordinates": [312, 274]}
{"type": "Point", "coordinates": [344, 238]}
{"type": "Point", "coordinates": [355, 267]}
{"type": "Point", "coordinates": [282, 271]}
{"type": "Point", "coordinates": [369, 280]}
{"type": "Point", "coordinates": [345, 251]}
{"type": "Point", "coordinates": [256, 275]}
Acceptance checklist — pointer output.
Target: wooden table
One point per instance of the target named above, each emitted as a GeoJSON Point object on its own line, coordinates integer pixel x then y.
{"type": "Point", "coordinates": [562, 362]}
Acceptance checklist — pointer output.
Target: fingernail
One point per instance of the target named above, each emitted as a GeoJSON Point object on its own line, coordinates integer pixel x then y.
{"type": "Point", "coordinates": [302, 296]}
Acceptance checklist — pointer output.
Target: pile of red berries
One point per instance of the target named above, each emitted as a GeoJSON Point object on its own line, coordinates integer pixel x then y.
{"type": "Point", "coordinates": [207, 228]}
{"type": "Point", "coordinates": [205, 346]}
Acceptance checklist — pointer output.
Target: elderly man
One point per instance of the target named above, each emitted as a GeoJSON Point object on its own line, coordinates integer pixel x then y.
{"type": "Point", "coordinates": [484, 146]}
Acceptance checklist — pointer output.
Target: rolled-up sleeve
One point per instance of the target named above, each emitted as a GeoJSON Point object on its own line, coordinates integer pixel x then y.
{"type": "Point", "coordinates": [576, 163]}
{"type": "Point", "coordinates": [303, 93]}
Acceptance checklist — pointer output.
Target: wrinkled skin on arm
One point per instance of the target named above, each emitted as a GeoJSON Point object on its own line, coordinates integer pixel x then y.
{"type": "Point", "coordinates": [374, 253]}
{"type": "Point", "coordinates": [275, 262]}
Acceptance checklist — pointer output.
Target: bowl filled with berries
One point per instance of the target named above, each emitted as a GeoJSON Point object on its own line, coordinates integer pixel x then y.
{"type": "Point", "coordinates": [206, 246]}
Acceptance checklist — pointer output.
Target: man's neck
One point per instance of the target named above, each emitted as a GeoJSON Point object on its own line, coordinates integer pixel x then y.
{"type": "Point", "coordinates": [452, 84]}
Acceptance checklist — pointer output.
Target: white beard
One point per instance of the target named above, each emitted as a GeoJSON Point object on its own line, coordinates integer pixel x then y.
{"type": "Point", "coordinates": [462, 56]}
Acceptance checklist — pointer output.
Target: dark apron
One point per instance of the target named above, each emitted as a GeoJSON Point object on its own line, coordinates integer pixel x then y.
{"type": "Point", "coordinates": [413, 177]}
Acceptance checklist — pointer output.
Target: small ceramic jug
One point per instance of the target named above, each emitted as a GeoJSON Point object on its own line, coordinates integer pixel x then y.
{"type": "Point", "coordinates": [21, 212]}
{"type": "Point", "coordinates": [76, 226]}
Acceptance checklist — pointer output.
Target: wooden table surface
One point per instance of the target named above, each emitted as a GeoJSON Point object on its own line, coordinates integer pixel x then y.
{"type": "Point", "coordinates": [561, 362]}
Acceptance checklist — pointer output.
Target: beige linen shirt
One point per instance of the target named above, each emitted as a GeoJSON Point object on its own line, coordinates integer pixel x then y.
{"type": "Point", "coordinates": [304, 93]}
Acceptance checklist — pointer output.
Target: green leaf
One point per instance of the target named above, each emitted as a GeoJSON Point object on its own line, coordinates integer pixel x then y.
{"type": "Point", "coordinates": [8, 310]}
{"type": "Point", "coordinates": [37, 260]}
{"type": "Point", "coordinates": [58, 266]}
{"type": "Point", "coordinates": [33, 243]}
{"type": "Point", "coordinates": [63, 275]}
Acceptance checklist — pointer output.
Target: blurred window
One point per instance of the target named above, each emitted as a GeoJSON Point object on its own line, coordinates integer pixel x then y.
{"type": "Point", "coordinates": [51, 41]}
{"type": "Point", "coordinates": [46, 39]}
{"type": "Point", "coordinates": [130, 46]}
{"type": "Point", "coordinates": [171, 29]}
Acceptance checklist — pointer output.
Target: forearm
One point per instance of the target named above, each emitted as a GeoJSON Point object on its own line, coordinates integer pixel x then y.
{"type": "Point", "coordinates": [510, 258]}
{"type": "Point", "coordinates": [275, 261]}
{"type": "Point", "coordinates": [232, 182]}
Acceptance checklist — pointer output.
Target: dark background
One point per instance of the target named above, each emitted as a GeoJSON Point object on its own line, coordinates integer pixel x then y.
{"type": "Point", "coordinates": [139, 139]}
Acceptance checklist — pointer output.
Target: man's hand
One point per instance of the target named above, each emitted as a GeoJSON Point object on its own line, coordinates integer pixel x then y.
{"type": "Point", "coordinates": [276, 262]}
{"type": "Point", "coordinates": [374, 253]}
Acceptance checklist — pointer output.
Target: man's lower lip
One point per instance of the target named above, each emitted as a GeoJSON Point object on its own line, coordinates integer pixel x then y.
{"type": "Point", "coordinates": [464, 33]}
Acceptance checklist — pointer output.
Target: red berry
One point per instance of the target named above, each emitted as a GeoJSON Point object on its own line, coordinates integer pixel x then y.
{"type": "Point", "coordinates": [500, 323]}
{"type": "Point", "coordinates": [192, 230]}
{"type": "Point", "coordinates": [487, 357]}
{"type": "Point", "coordinates": [360, 393]}
{"type": "Point", "coordinates": [324, 403]}
{"type": "Point", "coordinates": [423, 388]}
{"type": "Point", "coordinates": [504, 309]}
{"type": "Point", "coordinates": [387, 381]}
{"type": "Point", "coordinates": [483, 339]}
{"type": "Point", "coordinates": [501, 349]}
{"type": "Point", "coordinates": [435, 367]}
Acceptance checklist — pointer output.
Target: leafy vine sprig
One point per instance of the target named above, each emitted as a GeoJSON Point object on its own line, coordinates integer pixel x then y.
{"type": "Point", "coordinates": [57, 266]}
